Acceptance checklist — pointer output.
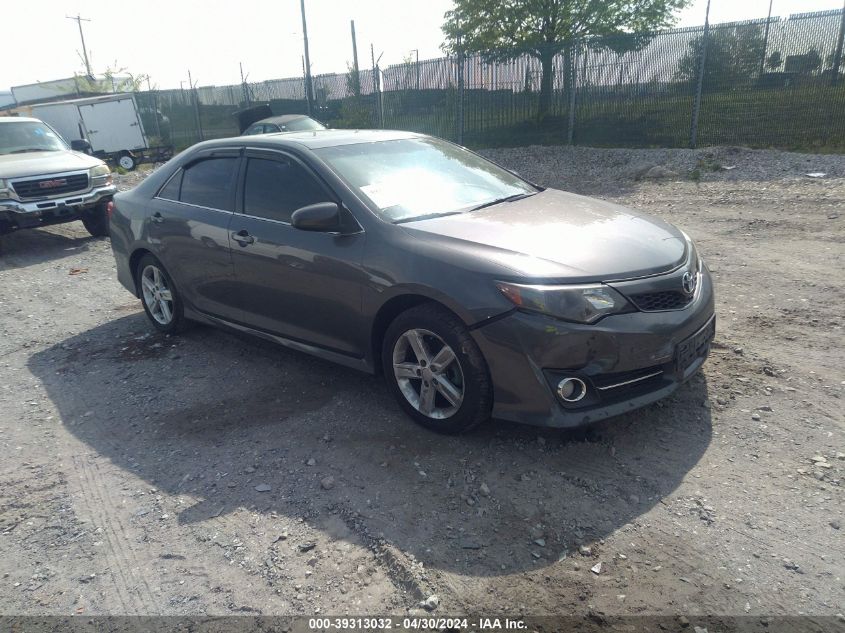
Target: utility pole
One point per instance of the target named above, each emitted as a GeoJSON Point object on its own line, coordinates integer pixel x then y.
{"type": "Point", "coordinates": [696, 108]}
{"type": "Point", "coordinates": [356, 86]}
{"type": "Point", "coordinates": [79, 20]}
{"type": "Point", "coordinates": [766, 39]}
{"type": "Point", "coordinates": [309, 90]}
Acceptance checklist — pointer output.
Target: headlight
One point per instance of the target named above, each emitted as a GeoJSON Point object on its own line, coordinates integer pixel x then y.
{"type": "Point", "coordinates": [4, 189]}
{"type": "Point", "coordinates": [581, 303]}
{"type": "Point", "coordinates": [100, 175]}
{"type": "Point", "coordinates": [100, 170]}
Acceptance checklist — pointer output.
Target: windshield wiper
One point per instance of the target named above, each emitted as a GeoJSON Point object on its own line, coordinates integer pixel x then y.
{"type": "Point", "coordinates": [426, 217]}
{"type": "Point", "coordinates": [516, 196]}
{"type": "Point", "coordinates": [31, 149]}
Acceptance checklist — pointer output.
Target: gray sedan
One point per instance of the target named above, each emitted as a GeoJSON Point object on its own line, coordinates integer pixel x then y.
{"type": "Point", "coordinates": [476, 293]}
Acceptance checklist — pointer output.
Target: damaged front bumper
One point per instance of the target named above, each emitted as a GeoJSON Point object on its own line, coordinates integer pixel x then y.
{"type": "Point", "coordinates": [624, 362]}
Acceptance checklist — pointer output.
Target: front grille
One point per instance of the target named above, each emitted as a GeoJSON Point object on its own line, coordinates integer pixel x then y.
{"type": "Point", "coordinates": [53, 186]}
{"type": "Point", "coordinates": [666, 300]}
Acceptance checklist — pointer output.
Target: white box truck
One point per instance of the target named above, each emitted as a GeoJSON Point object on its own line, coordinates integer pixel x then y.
{"type": "Point", "coordinates": [110, 124]}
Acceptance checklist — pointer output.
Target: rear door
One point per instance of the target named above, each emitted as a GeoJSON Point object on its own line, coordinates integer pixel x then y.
{"type": "Point", "coordinates": [189, 223]}
{"type": "Point", "coordinates": [113, 126]}
{"type": "Point", "coordinates": [302, 285]}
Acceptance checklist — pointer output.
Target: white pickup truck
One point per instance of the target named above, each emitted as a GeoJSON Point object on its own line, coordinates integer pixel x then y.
{"type": "Point", "coordinates": [43, 181]}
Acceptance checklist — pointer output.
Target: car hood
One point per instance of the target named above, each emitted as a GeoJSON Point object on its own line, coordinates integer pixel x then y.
{"type": "Point", "coordinates": [41, 163]}
{"type": "Point", "coordinates": [559, 235]}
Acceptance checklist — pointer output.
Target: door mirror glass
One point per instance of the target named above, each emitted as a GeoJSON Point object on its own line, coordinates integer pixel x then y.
{"type": "Point", "coordinates": [323, 216]}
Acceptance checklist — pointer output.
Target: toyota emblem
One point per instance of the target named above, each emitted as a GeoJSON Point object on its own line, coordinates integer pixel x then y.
{"type": "Point", "coordinates": [689, 281]}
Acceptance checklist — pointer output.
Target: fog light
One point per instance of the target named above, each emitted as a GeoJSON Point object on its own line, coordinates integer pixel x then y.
{"type": "Point", "coordinates": [571, 389]}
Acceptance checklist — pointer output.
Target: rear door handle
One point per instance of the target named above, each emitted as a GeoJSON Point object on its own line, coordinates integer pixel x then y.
{"type": "Point", "coordinates": [158, 218]}
{"type": "Point", "coordinates": [243, 237]}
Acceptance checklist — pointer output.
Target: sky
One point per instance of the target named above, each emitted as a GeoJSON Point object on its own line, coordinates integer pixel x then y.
{"type": "Point", "coordinates": [210, 37]}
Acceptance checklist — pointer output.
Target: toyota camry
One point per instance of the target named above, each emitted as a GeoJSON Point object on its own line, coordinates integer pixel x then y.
{"type": "Point", "coordinates": [476, 293]}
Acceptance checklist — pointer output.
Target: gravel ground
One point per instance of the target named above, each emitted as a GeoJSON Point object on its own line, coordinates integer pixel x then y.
{"type": "Point", "coordinates": [214, 474]}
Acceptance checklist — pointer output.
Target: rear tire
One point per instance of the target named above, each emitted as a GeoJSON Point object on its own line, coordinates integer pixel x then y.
{"type": "Point", "coordinates": [159, 296]}
{"type": "Point", "coordinates": [436, 371]}
{"type": "Point", "coordinates": [96, 220]}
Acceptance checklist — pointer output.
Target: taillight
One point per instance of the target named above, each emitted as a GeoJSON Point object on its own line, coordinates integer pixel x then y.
{"type": "Point", "coordinates": [109, 209]}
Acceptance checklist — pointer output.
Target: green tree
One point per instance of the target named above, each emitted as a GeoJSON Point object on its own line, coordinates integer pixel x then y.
{"type": "Point", "coordinates": [733, 56]}
{"type": "Point", "coordinates": [502, 30]}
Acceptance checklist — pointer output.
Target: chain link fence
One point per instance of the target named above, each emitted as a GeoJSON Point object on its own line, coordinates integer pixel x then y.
{"type": "Point", "coordinates": [762, 83]}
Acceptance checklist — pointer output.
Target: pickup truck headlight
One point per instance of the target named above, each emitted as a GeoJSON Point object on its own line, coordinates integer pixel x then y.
{"type": "Point", "coordinates": [100, 175]}
{"type": "Point", "coordinates": [4, 189]}
{"type": "Point", "coordinates": [579, 303]}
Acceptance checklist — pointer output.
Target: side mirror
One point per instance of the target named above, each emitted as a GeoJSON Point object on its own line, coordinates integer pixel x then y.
{"type": "Point", "coordinates": [81, 145]}
{"type": "Point", "coordinates": [323, 216]}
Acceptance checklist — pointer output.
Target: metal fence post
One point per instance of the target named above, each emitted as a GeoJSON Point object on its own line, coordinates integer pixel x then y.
{"type": "Point", "coordinates": [573, 76]}
{"type": "Point", "coordinates": [460, 112]}
{"type": "Point", "coordinates": [696, 107]}
{"type": "Point", "coordinates": [837, 55]}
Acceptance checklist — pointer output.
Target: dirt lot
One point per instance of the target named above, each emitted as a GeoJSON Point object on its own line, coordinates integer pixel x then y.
{"type": "Point", "coordinates": [133, 462]}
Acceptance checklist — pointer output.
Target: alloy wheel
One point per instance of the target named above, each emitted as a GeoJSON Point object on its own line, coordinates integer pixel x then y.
{"type": "Point", "coordinates": [157, 295]}
{"type": "Point", "coordinates": [428, 373]}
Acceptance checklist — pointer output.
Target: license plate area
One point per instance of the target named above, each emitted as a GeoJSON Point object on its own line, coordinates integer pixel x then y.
{"type": "Point", "coordinates": [695, 346]}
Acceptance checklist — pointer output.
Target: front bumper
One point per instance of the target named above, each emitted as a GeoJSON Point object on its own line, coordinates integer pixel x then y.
{"type": "Point", "coordinates": [626, 360]}
{"type": "Point", "coordinates": [15, 215]}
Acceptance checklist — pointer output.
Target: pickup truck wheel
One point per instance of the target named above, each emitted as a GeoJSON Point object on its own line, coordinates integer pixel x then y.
{"type": "Point", "coordinates": [127, 161]}
{"type": "Point", "coordinates": [96, 220]}
{"type": "Point", "coordinates": [161, 300]}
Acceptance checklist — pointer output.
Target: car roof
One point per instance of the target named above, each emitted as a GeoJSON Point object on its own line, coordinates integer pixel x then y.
{"type": "Point", "coordinates": [12, 119]}
{"type": "Point", "coordinates": [313, 139]}
{"type": "Point", "coordinates": [283, 118]}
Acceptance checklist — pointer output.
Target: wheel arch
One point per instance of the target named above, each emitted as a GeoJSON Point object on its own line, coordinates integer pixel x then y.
{"type": "Point", "coordinates": [134, 260]}
{"type": "Point", "coordinates": [391, 309]}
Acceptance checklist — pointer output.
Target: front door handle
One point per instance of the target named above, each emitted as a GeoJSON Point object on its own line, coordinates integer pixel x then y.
{"type": "Point", "coordinates": [243, 237]}
{"type": "Point", "coordinates": [158, 218]}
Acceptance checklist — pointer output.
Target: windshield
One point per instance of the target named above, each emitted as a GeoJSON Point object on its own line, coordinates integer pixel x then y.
{"type": "Point", "coordinates": [410, 179]}
{"type": "Point", "coordinates": [19, 137]}
{"type": "Point", "coordinates": [303, 125]}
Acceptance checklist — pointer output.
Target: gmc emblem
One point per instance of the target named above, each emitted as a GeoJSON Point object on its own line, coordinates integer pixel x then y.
{"type": "Point", "coordinates": [49, 184]}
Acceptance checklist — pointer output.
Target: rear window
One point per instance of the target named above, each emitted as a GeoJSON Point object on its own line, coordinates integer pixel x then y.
{"type": "Point", "coordinates": [210, 183]}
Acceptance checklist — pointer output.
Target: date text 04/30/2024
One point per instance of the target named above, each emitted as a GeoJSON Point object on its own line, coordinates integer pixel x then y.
{"type": "Point", "coordinates": [415, 623]}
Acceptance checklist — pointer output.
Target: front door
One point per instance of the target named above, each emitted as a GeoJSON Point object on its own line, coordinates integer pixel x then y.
{"type": "Point", "coordinates": [302, 285]}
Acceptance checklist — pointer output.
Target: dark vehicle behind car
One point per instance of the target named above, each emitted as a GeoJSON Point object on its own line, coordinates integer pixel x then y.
{"type": "Point", "coordinates": [284, 123]}
{"type": "Point", "coordinates": [474, 292]}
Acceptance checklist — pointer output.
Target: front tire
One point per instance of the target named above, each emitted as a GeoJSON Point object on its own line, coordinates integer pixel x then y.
{"type": "Point", "coordinates": [159, 296]}
{"type": "Point", "coordinates": [436, 371]}
{"type": "Point", "coordinates": [96, 220]}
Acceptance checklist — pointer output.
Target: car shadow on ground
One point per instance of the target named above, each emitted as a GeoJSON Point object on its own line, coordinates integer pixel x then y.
{"type": "Point", "coordinates": [32, 246]}
{"type": "Point", "coordinates": [210, 416]}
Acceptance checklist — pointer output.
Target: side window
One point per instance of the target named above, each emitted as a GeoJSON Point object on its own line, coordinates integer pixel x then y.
{"type": "Point", "coordinates": [210, 183]}
{"type": "Point", "coordinates": [170, 191]}
{"type": "Point", "coordinates": [274, 189]}
{"type": "Point", "coordinates": [253, 130]}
